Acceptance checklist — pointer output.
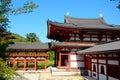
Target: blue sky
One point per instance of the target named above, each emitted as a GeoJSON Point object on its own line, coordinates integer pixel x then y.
{"type": "Point", "coordinates": [56, 9]}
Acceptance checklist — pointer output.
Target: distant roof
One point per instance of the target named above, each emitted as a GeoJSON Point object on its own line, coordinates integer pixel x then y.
{"type": "Point", "coordinates": [105, 47]}
{"type": "Point", "coordinates": [28, 46]}
{"type": "Point", "coordinates": [85, 23]}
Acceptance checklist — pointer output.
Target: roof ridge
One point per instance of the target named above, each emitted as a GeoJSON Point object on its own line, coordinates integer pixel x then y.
{"type": "Point", "coordinates": [29, 43]}
{"type": "Point", "coordinates": [81, 18]}
{"type": "Point", "coordinates": [50, 21]}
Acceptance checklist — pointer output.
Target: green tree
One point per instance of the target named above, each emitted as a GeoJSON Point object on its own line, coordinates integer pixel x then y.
{"type": "Point", "coordinates": [6, 72]}
{"type": "Point", "coordinates": [6, 10]}
{"type": "Point", "coordinates": [17, 38]}
{"type": "Point", "coordinates": [32, 37]}
{"type": "Point", "coordinates": [118, 6]}
{"type": "Point", "coordinates": [52, 54]}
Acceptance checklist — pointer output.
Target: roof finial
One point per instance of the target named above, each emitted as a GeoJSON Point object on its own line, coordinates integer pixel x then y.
{"type": "Point", "coordinates": [101, 15]}
{"type": "Point", "coordinates": [67, 14]}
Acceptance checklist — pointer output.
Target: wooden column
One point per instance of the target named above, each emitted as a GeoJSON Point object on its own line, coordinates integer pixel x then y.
{"type": "Point", "coordinates": [119, 65]}
{"type": "Point", "coordinates": [45, 61]}
{"type": "Point", "coordinates": [91, 64]}
{"type": "Point", "coordinates": [68, 62]}
{"type": "Point", "coordinates": [106, 66]}
{"type": "Point", "coordinates": [25, 64]}
{"type": "Point", "coordinates": [97, 67]}
{"type": "Point", "coordinates": [35, 64]}
{"type": "Point", "coordinates": [81, 36]}
{"type": "Point", "coordinates": [59, 61]}
{"type": "Point", "coordinates": [14, 62]}
{"type": "Point", "coordinates": [55, 59]}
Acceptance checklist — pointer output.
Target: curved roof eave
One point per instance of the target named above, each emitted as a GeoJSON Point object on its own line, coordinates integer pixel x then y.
{"type": "Point", "coordinates": [100, 48]}
{"type": "Point", "coordinates": [71, 25]}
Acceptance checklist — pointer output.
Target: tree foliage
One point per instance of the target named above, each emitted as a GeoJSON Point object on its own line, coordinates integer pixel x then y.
{"type": "Point", "coordinates": [6, 10]}
{"type": "Point", "coordinates": [27, 7]}
{"type": "Point", "coordinates": [6, 72]}
{"type": "Point", "coordinates": [17, 38]}
{"type": "Point", "coordinates": [2, 50]}
{"type": "Point", "coordinates": [118, 6]}
{"type": "Point", "coordinates": [52, 54]}
{"type": "Point", "coordinates": [32, 37]}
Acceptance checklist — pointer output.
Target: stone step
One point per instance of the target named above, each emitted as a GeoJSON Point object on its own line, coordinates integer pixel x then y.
{"type": "Point", "coordinates": [67, 78]}
{"type": "Point", "coordinates": [63, 72]}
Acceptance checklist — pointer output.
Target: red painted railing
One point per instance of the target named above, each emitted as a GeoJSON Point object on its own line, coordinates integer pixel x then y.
{"type": "Point", "coordinates": [27, 55]}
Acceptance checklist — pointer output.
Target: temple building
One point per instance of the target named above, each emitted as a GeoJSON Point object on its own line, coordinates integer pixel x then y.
{"type": "Point", "coordinates": [103, 60]}
{"type": "Point", "coordinates": [79, 43]}
{"type": "Point", "coordinates": [77, 34]}
{"type": "Point", "coordinates": [24, 53]}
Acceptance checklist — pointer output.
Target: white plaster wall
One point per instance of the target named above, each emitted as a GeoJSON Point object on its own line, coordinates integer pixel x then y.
{"type": "Point", "coordinates": [94, 72]}
{"type": "Point", "coordinates": [95, 65]}
{"type": "Point", "coordinates": [102, 61]}
{"type": "Point", "coordinates": [76, 57]}
{"type": "Point", "coordinates": [77, 64]}
{"type": "Point", "coordinates": [102, 77]}
{"type": "Point", "coordinates": [112, 78]}
{"type": "Point", "coordinates": [100, 68]}
{"type": "Point", "coordinates": [114, 62]}
{"type": "Point", "coordinates": [89, 73]}
{"type": "Point", "coordinates": [94, 60]}
{"type": "Point", "coordinates": [93, 75]}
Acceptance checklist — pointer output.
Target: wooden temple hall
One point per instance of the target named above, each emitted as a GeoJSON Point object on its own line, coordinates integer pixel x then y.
{"type": "Point", "coordinates": [76, 46]}
{"type": "Point", "coordinates": [79, 43]}
{"type": "Point", "coordinates": [24, 53]}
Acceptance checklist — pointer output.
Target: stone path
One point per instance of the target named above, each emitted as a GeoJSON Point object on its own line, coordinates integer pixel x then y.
{"type": "Point", "coordinates": [47, 75]}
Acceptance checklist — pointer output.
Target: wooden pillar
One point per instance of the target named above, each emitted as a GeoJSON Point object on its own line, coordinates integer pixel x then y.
{"type": "Point", "coordinates": [119, 59]}
{"type": "Point", "coordinates": [69, 54]}
{"type": "Point", "coordinates": [91, 64]}
{"type": "Point", "coordinates": [100, 36]}
{"type": "Point", "coordinates": [106, 66]}
{"type": "Point", "coordinates": [81, 36]}
{"type": "Point", "coordinates": [35, 64]}
{"type": "Point", "coordinates": [14, 62]}
{"type": "Point", "coordinates": [25, 64]}
{"type": "Point", "coordinates": [55, 59]}
{"type": "Point", "coordinates": [97, 67]}
{"type": "Point", "coordinates": [59, 61]}
{"type": "Point", "coordinates": [119, 65]}
{"type": "Point", "coordinates": [45, 61]}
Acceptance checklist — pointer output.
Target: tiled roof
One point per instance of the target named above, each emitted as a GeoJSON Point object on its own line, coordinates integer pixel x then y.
{"type": "Point", "coordinates": [85, 23]}
{"type": "Point", "coordinates": [61, 24]}
{"type": "Point", "coordinates": [28, 46]}
{"type": "Point", "coordinates": [106, 47]}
